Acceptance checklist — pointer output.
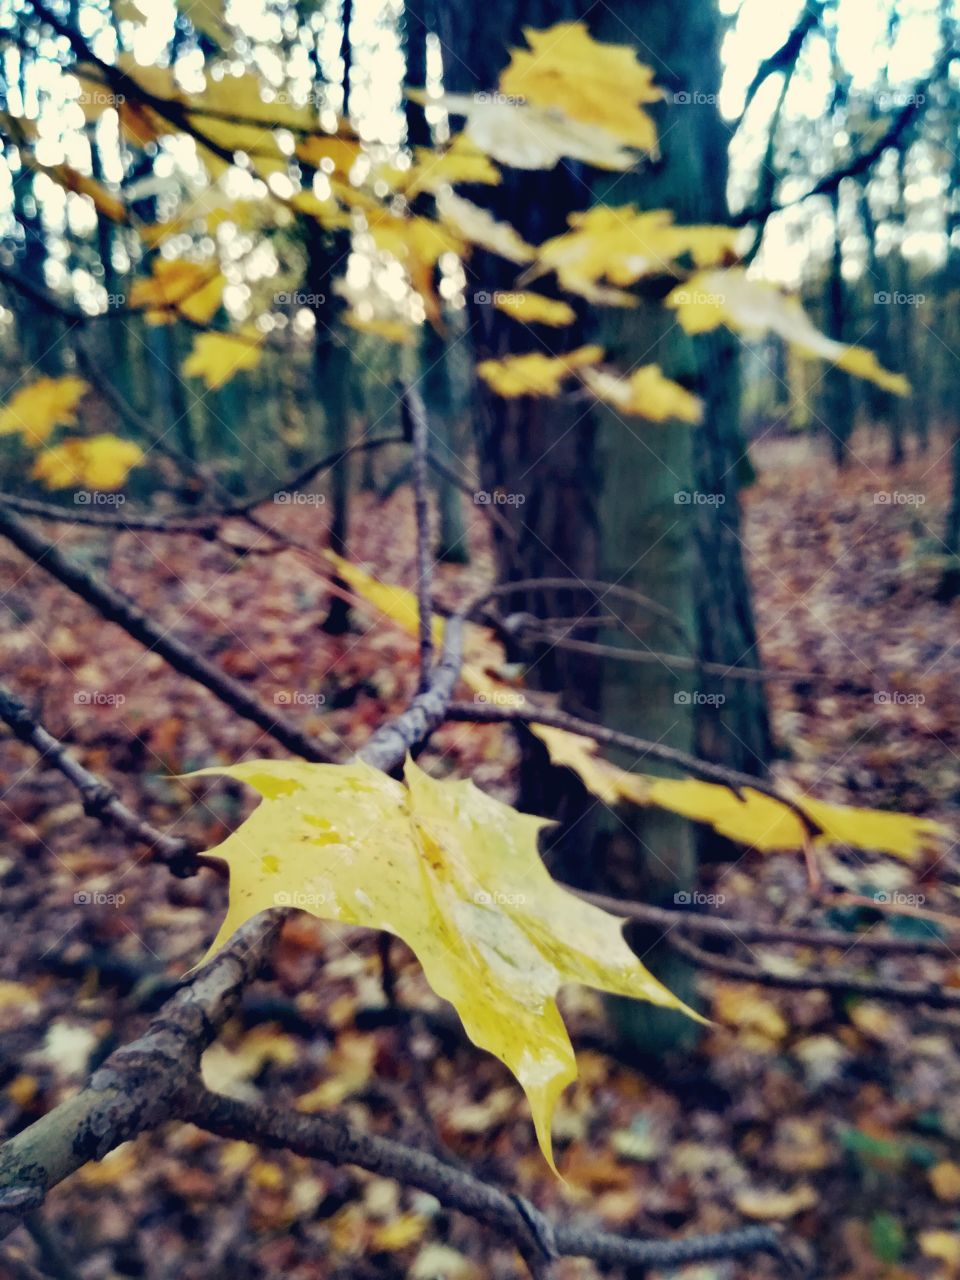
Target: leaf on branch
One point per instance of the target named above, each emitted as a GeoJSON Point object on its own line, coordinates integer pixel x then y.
{"type": "Point", "coordinates": [594, 83]}
{"type": "Point", "coordinates": [757, 820]}
{"type": "Point", "coordinates": [534, 308]}
{"type": "Point", "coordinates": [526, 137]}
{"type": "Point", "coordinates": [755, 307]}
{"type": "Point", "coordinates": [647, 393]}
{"type": "Point", "coordinates": [478, 226]}
{"type": "Point", "coordinates": [535, 374]}
{"type": "Point", "coordinates": [34, 411]}
{"type": "Point", "coordinates": [253, 126]}
{"type": "Point", "coordinates": [139, 124]}
{"type": "Point", "coordinates": [458, 876]}
{"type": "Point", "coordinates": [433, 170]}
{"type": "Point", "coordinates": [191, 289]}
{"type": "Point", "coordinates": [766, 824]}
{"type": "Point", "coordinates": [216, 357]}
{"type": "Point", "coordinates": [622, 245]}
{"type": "Point", "coordinates": [110, 206]}
{"type": "Point", "coordinates": [100, 462]}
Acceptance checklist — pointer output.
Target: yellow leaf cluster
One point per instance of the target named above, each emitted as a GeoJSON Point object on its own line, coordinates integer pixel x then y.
{"type": "Point", "coordinates": [175, 286]}
{"type": "Point", "coordinates": [621, 245]}
{"type": "Point", "coordinates": [458, 876]}
{"type": "Point", "coordinates": [216, 357]}
{"type": "Point", "coordinates": [459, 162]}
{"type": "Point", "coordinates": [596, 84]}
{"type": "Point", "coordinates": [755, 307]}
{"type": "Point", "coordinates": [100, 462]}
{"type": "Point", "coordinates": [647, 393]}
{"type": "Point", "coordinates": [535, 374]}
{"type": "Point", "coordinates": [34, 411]}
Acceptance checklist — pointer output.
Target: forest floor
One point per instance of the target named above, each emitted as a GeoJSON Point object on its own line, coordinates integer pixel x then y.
{"type": "Point", "coordinates": [838, 1117]}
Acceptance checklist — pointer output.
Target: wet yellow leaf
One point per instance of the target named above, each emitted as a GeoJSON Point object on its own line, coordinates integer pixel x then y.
{"type": "Point", "coordinates": [35, 410]}
{"type": "Point", "coordinates": [100, 462]}
{"type": "Point", "coordinates": [454, 873]}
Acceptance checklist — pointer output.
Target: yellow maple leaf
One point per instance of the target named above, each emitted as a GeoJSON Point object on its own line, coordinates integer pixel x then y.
{"type": "Point", "coordinates": [139, 123]}
{"type": "Point", "coordinates": [645, 392]}
{"type": "Point", "coordinates": [534, 308]}
{"type": "Point", "coordinates": [755, 307]}
{"type": "Point", "coordinates": [253, 128]}
{"type": "Point", "coordinates": [457, 875]}
{"type": "Point", "coordinates": [621, 244]}
{"type": "Point", "coordinates": [102, 462]}
{"type": "Point", "coordinates": [594, 83]}
{"type": "Point", "coordinates": [478, 226]}
{"type": "Point", "coordinates": [34, 411]}
{"type": "Point", "coordinates": [191, 288]}
{"type": "Point", "coordinates": [535, 374]}
{"type": "Point", "coordinates": [216, 357]}
{"type": "Point", "coordinates": [413, 239]}
{"type": "Point", "coordinates": [761, 821]}
{"type": "Point", "coordinates": [528, 137]}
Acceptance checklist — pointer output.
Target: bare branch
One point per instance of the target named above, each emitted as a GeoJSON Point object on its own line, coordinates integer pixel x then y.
{"type": "Point", "coordinates": [100, 801]}
{"type": "Point", "coordinates": [120, 609]}
{"type": "Point", "coordinates": [139, 1086]}
{"type": "Point", "coordinates": [934, 994]}
{"type": "Point", "coordinates": [415, 412]}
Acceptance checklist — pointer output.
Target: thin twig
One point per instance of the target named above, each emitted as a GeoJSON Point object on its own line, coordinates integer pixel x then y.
{"type": "Point", "coordinates": [415, 410]}
{"type": "Point", "coordinates": [120, 609]}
